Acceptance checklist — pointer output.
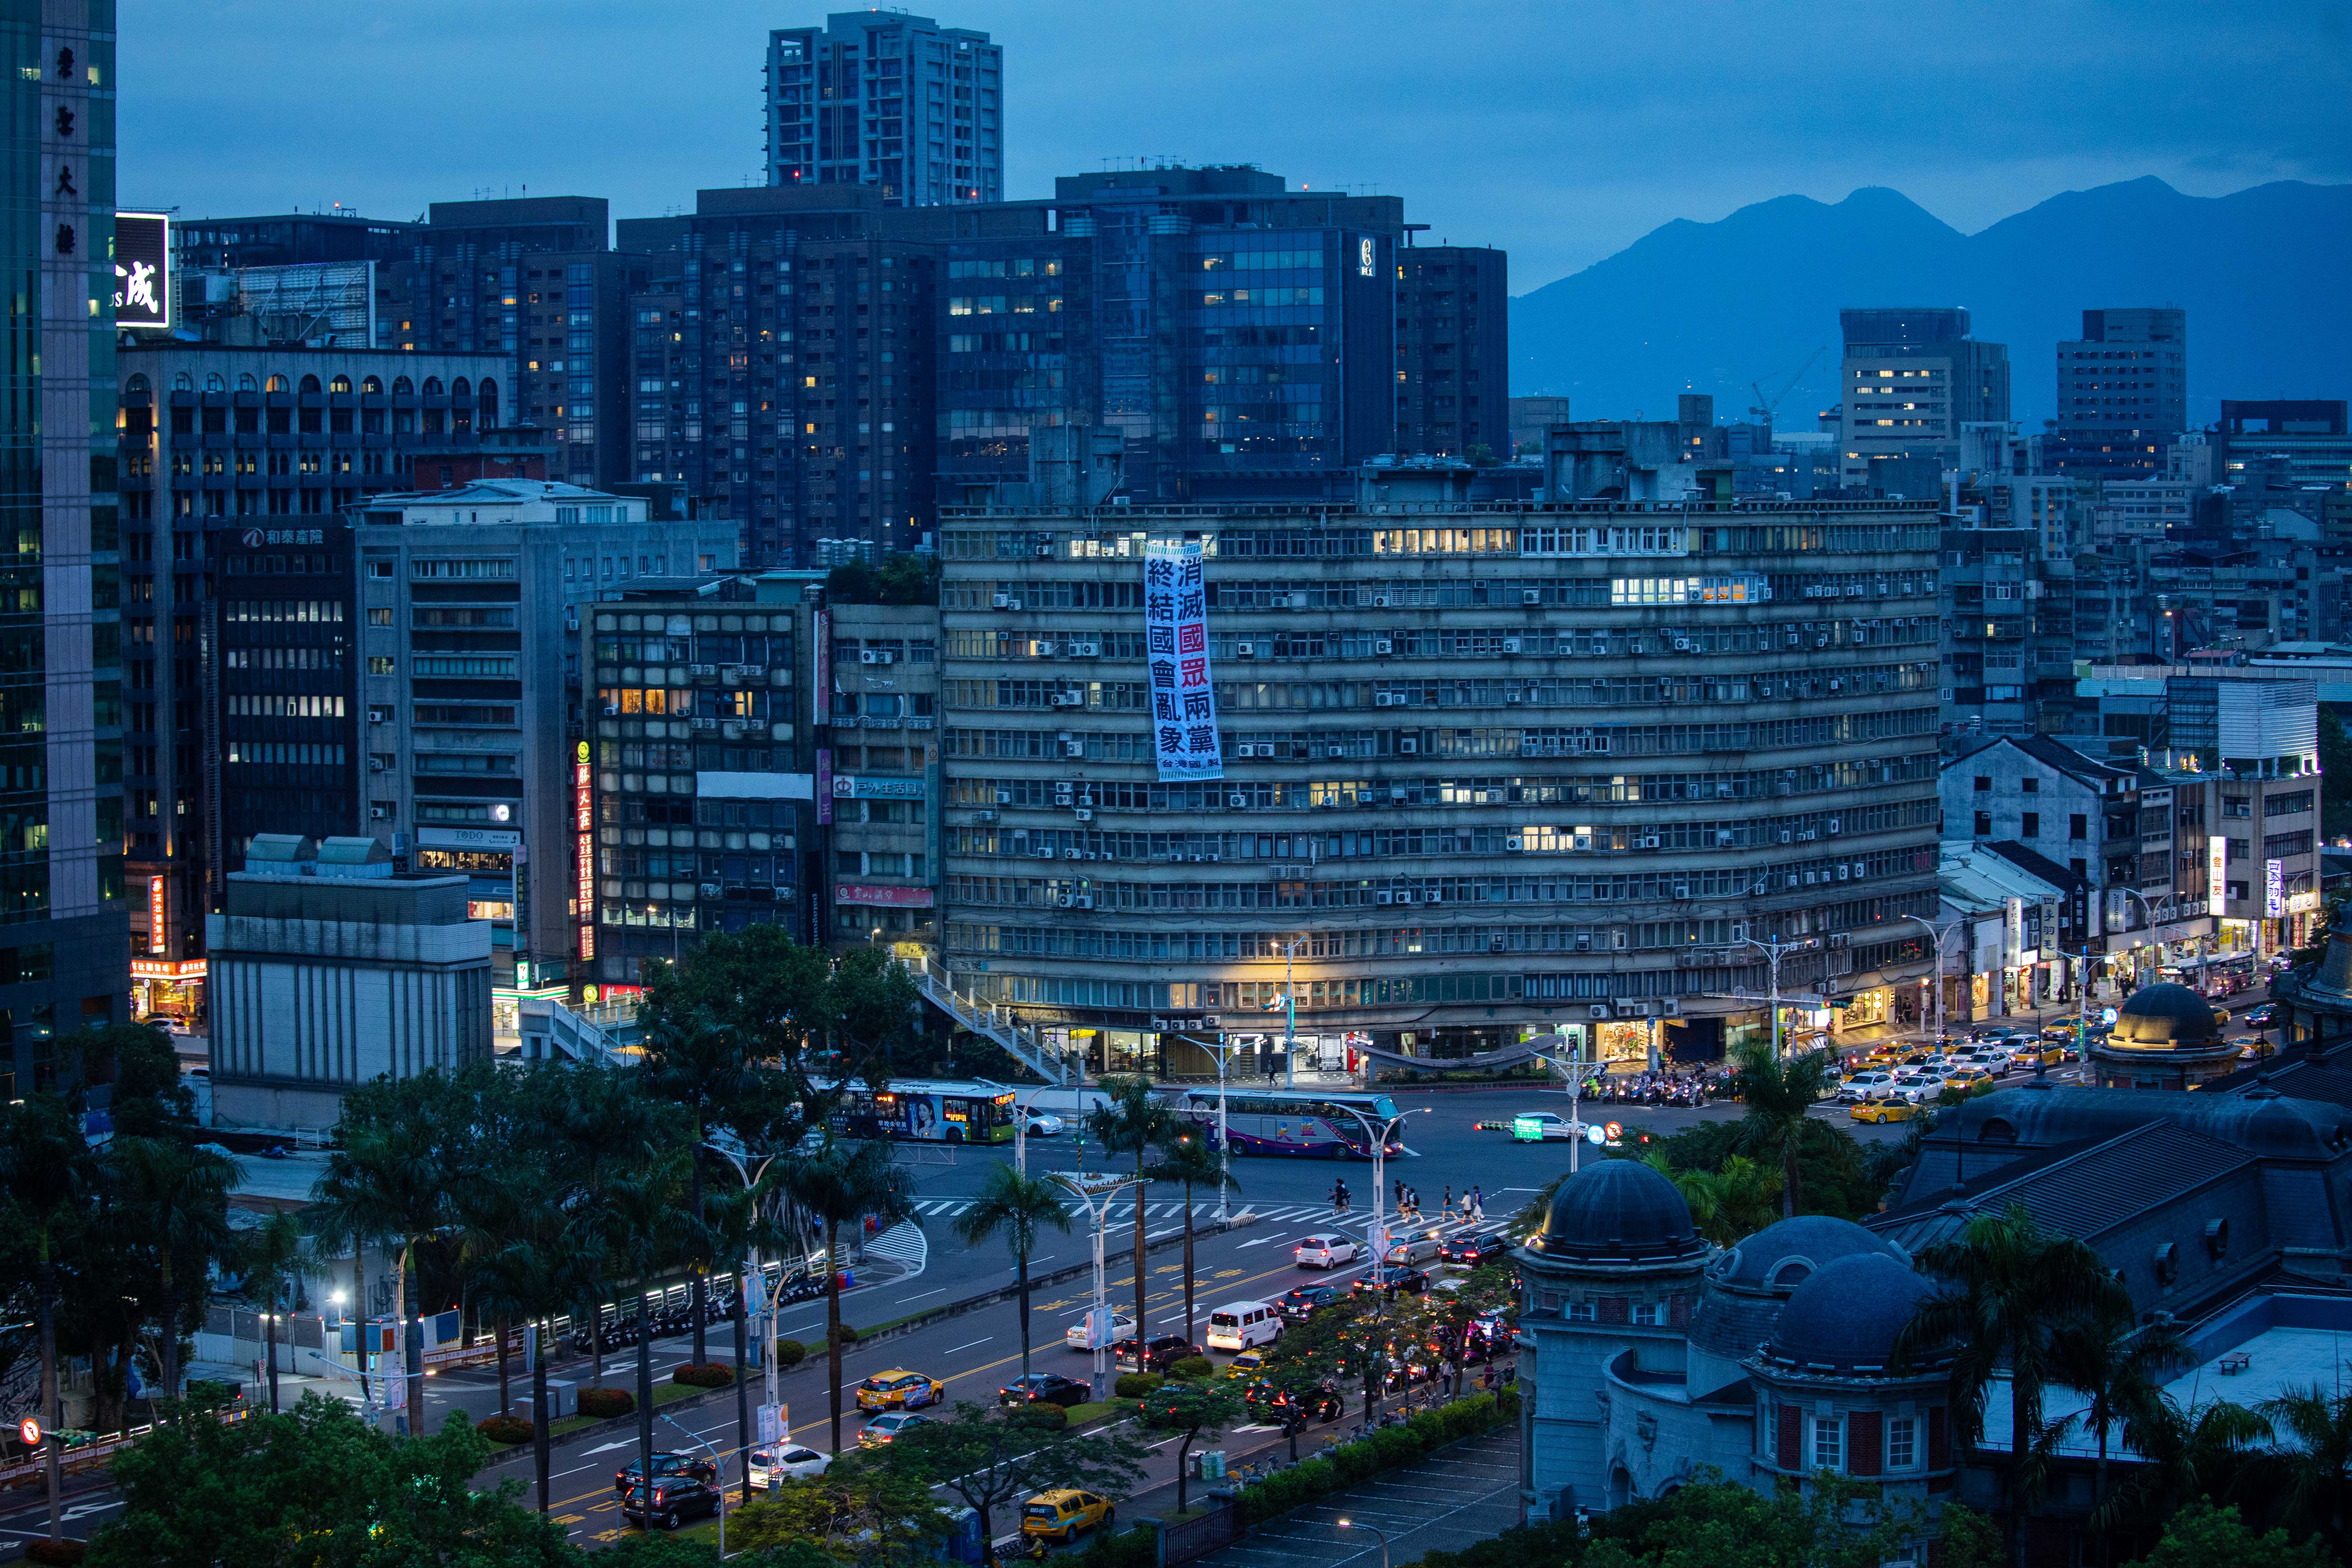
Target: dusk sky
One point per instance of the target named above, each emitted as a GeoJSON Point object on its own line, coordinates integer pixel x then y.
{"type": "Point", "coordinates": [1560, 132]}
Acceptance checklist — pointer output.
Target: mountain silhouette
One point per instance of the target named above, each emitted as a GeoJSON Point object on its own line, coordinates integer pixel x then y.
{"type": "Point", "coordinates": [1712, 307]}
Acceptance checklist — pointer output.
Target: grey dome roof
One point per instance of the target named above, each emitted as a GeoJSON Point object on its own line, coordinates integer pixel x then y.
{"type": "Point", "coordinates": [1845, 1317]}
{"type": "Point", "coordinates": [1618, 1211]}
{"type": "Point", "coordinates": [2165, 1015]}
{"type": "Point", "coordinates": [1783, 1256]}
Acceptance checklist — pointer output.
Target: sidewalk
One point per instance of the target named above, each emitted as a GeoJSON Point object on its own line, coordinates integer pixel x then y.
{"type": "Point", "coordinates": [1451, 1499]}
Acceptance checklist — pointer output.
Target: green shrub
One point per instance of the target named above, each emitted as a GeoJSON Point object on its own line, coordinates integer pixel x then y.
{"type": "Point", "coordinates": [710, 1374]}
{"type": "Point", "coordinates": [1193, 1368]}
{"type": "Point", "coordinates": [606, 1403]}
{"type": "Point", "coordinates": [55, 1552]}
{"type": "Point", "coordinates": [1043, 1416]}
{"type": "Point", "coordinates": [1136, 1384]}
{"type": "Point", "coordinates": [508, 1429]}
{"type": "Point", "coordinates": [1385, 1449]}
{"type": "Point", "coordinates": [848, 1334]}
{"type": "Point", "coordinates": [1136, 1548]}
{"type": "Point", "coordinates": [790, 1353]}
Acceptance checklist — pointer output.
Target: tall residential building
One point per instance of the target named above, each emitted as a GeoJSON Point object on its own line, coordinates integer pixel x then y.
{"type": "Point", "coordinates": [885, 774]}
{"type": "Point", "coordinates": [1452, 347]}
{"type": "Point", "coordinates": [2011, 540]}
{"type": "Point", "coordinates": [887, 99]}
{"type": "Point", "coordinates": [63, 952]}
{"type": "Point", "coordinates": [1479, 772]}
{"type": "Point", "coordinates": [2123, 394]}
{"type": "Point", "coordinates": [1912, 378]}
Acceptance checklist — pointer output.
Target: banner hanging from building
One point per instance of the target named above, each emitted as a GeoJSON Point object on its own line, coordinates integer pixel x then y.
{"type": "Point", "coordinates": [1176, 650]}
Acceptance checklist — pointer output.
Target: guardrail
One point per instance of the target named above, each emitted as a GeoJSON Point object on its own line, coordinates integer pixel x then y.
{"type": "Point", "coordinates": [93, 1456]}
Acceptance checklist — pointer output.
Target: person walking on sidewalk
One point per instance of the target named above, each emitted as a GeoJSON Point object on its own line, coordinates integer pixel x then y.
{"type": "Point", "coordinates": [1445, 1209]}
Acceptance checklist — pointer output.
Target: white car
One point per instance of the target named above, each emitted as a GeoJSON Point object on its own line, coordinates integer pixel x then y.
{"type": "Point", "coordinates": [1326, 1252]}
{"type": "Point", "coordinates": [1078, 1339]}
{"type": "Point", "coordinates": [1044, 1125]}
{"type": "Point", "coordinates": [1544, 1127]}
{"type": "Point", "coordinates": [791, 1463]}
{"type": "Point", "coordinates": [1871, 1085]}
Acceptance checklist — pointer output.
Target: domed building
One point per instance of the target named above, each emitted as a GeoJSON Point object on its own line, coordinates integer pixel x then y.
{"type": "Point", "coordinates": [2166, 1037]}
{"type": "Point", "coordinates": [1651, 1354]}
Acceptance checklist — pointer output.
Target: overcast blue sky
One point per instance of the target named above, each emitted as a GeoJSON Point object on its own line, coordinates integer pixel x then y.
{"type": "Point", "coordinates": [1561, 132]}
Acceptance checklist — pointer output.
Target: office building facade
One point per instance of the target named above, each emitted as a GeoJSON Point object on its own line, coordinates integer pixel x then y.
{"type": "Point", "coordinates": [63, 955]}
{"type": "Point", "coordinates": [2308, 436]}
{"type": "Point", "coordinates": [471, 680]}
{"type": "Point", "coordinates": [1486, 770]}
{"type": "Point", "coordinates": [2123, 394]}
{"type": "Point", "coordinates": [887, 99]}
{"type": "Point", "coordinates": [695, 792]}
{"type": "Point", "coordinates": [1453, 351]}
{"type": "Point", "coordinates": [235, 467]}
{"type": "Point", "coordinates": [1912, 377]}
{"type": "Point", "coordinates": [884, 768]}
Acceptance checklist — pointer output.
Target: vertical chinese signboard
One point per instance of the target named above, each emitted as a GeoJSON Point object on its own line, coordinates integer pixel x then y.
{"type": "Point", "coordinates": [155, 935]}
{"type": "Point", "coordinates": [1176, 650]}
{"type": "Point", "coordinates": [583, 812]}
{"type": "Point", "coordinates": [143, 271]}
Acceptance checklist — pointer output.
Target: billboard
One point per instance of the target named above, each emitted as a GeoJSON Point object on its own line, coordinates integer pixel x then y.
{"type": "Point", "coordinates": [1176, 652]}
{"type": "Point", "coordinates": [143, 271]}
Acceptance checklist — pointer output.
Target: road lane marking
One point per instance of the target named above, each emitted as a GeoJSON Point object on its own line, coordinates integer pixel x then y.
{"type": "Point", "coordinates": [978, 1341]}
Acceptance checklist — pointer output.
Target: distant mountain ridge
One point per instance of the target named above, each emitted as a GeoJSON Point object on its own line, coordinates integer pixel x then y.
{"type": "Point", "coordinates": [1711, 306]}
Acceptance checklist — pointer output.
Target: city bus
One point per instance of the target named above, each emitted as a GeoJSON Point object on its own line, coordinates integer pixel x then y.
{"type": "Point", "coordinates": [1300, 1124]}
{"type": "Point", "coordinates": [927, 1110]}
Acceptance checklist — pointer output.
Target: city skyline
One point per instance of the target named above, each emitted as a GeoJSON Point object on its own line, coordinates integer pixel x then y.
{"type": "Point", "coordinates": [1653, 119]}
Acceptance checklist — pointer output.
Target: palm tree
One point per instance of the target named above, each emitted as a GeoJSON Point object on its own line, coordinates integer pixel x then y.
{"type": "Point", "coordinates": [701, 1067]}
{"type": "Point", "coordinates": [838, 1184]}
{"type": "Point", "coordinates": [2121, 1369]}
{"type": "Point", "coordinates": [1729, 1205]}
{"type": "Point", "coordinates": [45, 1170]}
{"type": "Point", "coordinates": [388, 1185]}
{"type": "Point", "coordinates": [1133, 1123]}
{"type": "Point", "coordinates": [270, 1254]}
{"type": "Point", "coordinates": [489, 1209]}
{"type": "Point", "coordinates": [2207, 1450]}
{"type": "Point", "coordinates": [2007, 1286]}
{"type": "Point", "coordinates": [642, 1234]}
{"type": "Point", "coordinates": [1778, 1094]}
{"type": "Point", "coordinates": [1018, 1205]}
{"type": "Point", "coordinates": [180, 1193]}
{"type": "Point", "coordinates": [1187, 1159]}
{"type": "Point", "coordinates": [2315, 1462]}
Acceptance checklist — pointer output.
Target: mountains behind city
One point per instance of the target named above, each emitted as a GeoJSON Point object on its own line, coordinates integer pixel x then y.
{"type": "Point", "coordinates": [1713, 307]}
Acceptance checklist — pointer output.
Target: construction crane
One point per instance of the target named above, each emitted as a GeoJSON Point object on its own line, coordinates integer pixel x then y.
{"type": "Point", "coordinates": [1762, 412]}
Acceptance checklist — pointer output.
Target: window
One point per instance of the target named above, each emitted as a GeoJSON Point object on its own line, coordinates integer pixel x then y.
{"type": "Point", "coordinates": [2032, 786]}
{"type": "Point", "coordinates": [1829, 1443]}
{"type": "Point", "coordinates": [1648, 1312]}
{"type": "Point", "coordinates": [1984, 824]}
{"type": "Point", "coordinates": [379, 665]}
{"type": "Point", "coordinates": [2032, 824]}
{"type": "Point", "coordinates": [379, 617]}
{"type": "Point", "coordinates": [1580, 1312]}
{"type": "Point", "coordinates": [1984, 784]}
{"type": "Point", "coordinates": [2078, 827]}
{"type": "Point", "coordinates": [1902, 1442]}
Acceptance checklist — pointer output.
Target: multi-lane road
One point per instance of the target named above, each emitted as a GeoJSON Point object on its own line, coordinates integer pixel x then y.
{"type": "Point", "coordinates": [975, 1352]}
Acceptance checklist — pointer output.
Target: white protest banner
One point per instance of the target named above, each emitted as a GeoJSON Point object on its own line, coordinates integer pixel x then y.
{"type": "Point", "coordinates": [1176, 649]}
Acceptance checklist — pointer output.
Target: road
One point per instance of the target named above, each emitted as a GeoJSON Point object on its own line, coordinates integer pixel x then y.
{"type": "Point", "coordinates": [976, 1352]}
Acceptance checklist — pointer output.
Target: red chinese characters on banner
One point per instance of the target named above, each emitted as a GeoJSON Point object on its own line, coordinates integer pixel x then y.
{"type": "Point", "coordinates": [584, 811]}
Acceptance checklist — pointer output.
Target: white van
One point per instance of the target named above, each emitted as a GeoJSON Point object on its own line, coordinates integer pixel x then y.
{"type": "Point", "coordinates": [1238, 1325]}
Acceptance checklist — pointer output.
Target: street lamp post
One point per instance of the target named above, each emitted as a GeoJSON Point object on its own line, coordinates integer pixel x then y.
{"type": "Point", "coordinates": [1379, 1142]}
{"type": "Point", "coordinates": [749, 1270]}
{"type": "Point", "coordinates": [1376, 1529]}
{"type": "Point", "coordinates": [1290, 1030]}
{"type": "Point", "coordinates": [1222, 1053]}
{"type": "Point", "coordinates": [1937, 980]}
{"type": "Point", "coordinates": [1575, 1100]}
{"type": "Point", "coordinates": [1775, 950]}
{"type": "Point", "coordinates": [1096, 1189]}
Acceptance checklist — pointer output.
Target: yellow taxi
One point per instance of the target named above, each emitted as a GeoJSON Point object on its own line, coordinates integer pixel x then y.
{"type": "Point", "coordinates": [1060, 1514]}
{"type": "Point", "coordinates": [1884, 1110]}
{"type": "Point", "coordinates": [899, 1390]}
{"type": "Point", "coordinates": [1249, 1363]}
{"type": "Point", "coordinates": [1966, 1079]}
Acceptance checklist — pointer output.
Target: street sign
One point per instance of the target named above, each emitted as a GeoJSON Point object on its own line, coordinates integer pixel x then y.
{"type": "Point", "coordinates": [773, 1422]}
{"type": "Point", "coordinates": [1615, 1130]}
{"type": "Point", "coordinates": [1596, 1133]}
{"type": "Point", "coordinates": [29, 1430]}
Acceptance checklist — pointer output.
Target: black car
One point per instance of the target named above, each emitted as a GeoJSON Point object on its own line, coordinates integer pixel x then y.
{"type": "Point", "coordinates": [1392, 1279]}
{"type": "Point", "coordinates": [1044, 1388]}
{"type": "Point", "coordinates": [1469, 1251]}
{"type": "Point", "coordinates": [675, 1497]}
{"type": "Point", "coordinates": [1300, 1305]}
{"type": "Point", "coordinates": [1158, 1355]}
{"type": "Point", "coordinates": [666, 1464]}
